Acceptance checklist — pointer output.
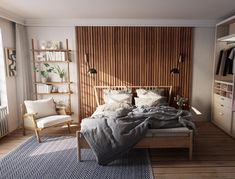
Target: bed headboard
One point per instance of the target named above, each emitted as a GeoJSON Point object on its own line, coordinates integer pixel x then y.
{"type": "Point", "coordinates": [99, 91]}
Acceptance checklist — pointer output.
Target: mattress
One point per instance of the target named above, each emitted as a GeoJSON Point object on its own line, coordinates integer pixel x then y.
{"type": "Point", "coordinates": [180, 131]}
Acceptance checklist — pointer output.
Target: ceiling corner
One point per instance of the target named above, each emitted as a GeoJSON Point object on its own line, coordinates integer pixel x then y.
{"type": "Point", "coordinates": [11, 17]}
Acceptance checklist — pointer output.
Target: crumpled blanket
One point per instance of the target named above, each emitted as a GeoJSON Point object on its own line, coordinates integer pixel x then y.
{"type": "Point", "coordinates": [109, 136]}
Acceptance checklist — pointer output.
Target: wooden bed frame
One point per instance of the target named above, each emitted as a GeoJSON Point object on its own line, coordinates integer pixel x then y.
{"type": "Point", "coordinates": [168, 141]}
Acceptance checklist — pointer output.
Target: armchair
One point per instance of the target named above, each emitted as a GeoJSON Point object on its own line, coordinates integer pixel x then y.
{"type": "Point", "coordinates": [41, 114]}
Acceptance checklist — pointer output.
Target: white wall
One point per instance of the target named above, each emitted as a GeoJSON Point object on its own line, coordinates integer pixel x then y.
{"type": "Point", "coordinates": [203, 56]}
{"type": "Point", "coordinates": [10, 97]}
{"type": "Point", "coordinates": [60, 34]}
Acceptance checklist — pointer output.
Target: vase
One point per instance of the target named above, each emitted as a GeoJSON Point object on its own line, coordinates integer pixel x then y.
{"type": "Point", "coordinates": [44, 79]}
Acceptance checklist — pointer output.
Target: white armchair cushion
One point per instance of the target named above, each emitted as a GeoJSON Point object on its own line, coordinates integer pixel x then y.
{"type": "Point", "coordinates": [52, 120]}
{"type": "Point", "coordinates": [43, 107]}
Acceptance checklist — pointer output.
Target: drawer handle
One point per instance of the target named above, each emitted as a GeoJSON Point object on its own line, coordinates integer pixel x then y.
{"type": "Point", "coordinates": [222, 105]}
{"type": "Point", "coordinates": [221, 113]}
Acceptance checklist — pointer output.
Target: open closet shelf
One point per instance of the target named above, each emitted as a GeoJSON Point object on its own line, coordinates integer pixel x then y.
{"type": "Point", "coordinates": [227, 38]}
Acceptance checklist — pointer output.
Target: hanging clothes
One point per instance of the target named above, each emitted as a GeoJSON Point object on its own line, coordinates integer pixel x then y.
{"type": "Point", "coordinates": [225, 63]}
{"type": "Point", "coordinates": [228, 68]}
{"type": "Point", "coordinates": [231, 57]}
{"type": "Point", "coordinates": [219, 62]}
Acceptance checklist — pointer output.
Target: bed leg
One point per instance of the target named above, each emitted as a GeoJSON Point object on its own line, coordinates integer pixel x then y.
{"type": "Point", "coordinates": [78, 146]}
{"type": "Point", "coordinates": [191, 145]}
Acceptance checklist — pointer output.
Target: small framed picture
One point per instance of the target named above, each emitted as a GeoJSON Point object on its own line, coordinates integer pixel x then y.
{"type": "Point", "coordinates": [10, 60]}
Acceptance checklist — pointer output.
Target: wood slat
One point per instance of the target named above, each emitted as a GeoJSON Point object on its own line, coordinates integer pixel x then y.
{"type": "Point", "coordinates": [132, 56]}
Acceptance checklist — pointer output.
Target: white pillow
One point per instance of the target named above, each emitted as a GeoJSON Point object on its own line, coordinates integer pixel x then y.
{"type": "Point", "coordinates": [156, 93]}
{"type": "Point", "coordinates": [147, 102]}
{"type": "Point", "coordinates": [116, 106]}
{"type": "Point", "coordinates": [113, 96]}
{"type": "Point", "coordinates": [43, 107]}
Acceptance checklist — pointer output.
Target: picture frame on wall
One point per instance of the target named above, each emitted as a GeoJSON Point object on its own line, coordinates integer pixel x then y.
{"type": "Point", "coordinates": [10, 61]}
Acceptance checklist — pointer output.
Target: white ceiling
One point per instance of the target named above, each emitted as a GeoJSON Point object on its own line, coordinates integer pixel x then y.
{"type": "Point", "coordinates": [119, 9]}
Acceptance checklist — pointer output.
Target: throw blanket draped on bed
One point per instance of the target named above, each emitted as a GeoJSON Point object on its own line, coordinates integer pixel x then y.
{"type": "Point", "coordinates": [110, 135]}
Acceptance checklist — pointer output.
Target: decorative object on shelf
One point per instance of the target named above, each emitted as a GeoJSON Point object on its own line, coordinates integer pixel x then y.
{"type": "Point", "coordinates": [50, 45]}
{"type": "Point", "coordinates": [54, 89]}
{"type": "Point", "coordinates": [180, 101]}
{"type": "Point", "coordinates": [91, 71]}
{"type": "Point", "coordinates": [43, 45]}
{"type": "Point", "coordinates": [49, 88]}
{"type": "Point", "coordinates": [176, 70]}
{"type": "Point", "coordinates": [59, 71]}
{"type": "Point", "coordinates": [44, 71]}
{"type": "Point", "coordinates": [56, 45]}
{"type": "Point", "coordinates": [10, 60]}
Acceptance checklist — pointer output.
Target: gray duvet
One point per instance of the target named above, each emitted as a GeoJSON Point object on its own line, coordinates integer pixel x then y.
{"type": "Point", "coordinates": [111, 133]}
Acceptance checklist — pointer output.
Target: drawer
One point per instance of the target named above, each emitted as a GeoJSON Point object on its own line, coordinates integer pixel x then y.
{"type": "Point", "coordinates": [223, 116]}
{"type": "Point", "coordinates": [222, 101]}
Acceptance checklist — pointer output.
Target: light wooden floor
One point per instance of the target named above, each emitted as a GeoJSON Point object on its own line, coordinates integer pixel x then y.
{"type": "Point", "coordinates": [213, 157]}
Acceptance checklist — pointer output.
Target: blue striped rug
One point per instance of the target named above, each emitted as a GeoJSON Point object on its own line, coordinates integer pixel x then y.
{"type": "Point", "coordinates": [56, 158]}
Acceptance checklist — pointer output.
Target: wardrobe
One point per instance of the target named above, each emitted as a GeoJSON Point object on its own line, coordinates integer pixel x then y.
{"type": "Point", "coordinates": [223, 100]}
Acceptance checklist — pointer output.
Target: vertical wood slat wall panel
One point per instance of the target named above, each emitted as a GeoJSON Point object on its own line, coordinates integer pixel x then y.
{"type": "Point", "coordinates": [132, 56]}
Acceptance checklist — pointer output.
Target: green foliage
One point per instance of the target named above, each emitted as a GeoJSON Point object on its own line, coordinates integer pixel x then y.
{"type": "Point", "coordinates": [180, 101]}
{"type": "Point", "coordinates": [59, 71]}
{"type": "Point", "coordinates": [44, 70]}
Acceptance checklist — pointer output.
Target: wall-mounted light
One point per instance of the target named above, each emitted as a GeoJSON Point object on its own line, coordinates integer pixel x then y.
{"type": "Point", "coordinates": [91, 71]}
{"type": "Point", "coordinates": [177, 70]}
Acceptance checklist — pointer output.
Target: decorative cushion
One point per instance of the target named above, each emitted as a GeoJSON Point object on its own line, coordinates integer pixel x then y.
{"type": "Point", "coordinates": [147, 102]}
{"type": "Point", "coordinates": [117, 96]}
{"type": "Point", "coordinates": [155, 93]}
{"type": "Point", "coordinates": [52, 120]}
{"type": "Point", "coordinates": [117, 109]}
{"type": "Point", "coordinates": [116, 106]}
{"type": "Point", "coordinates": [43, 107]}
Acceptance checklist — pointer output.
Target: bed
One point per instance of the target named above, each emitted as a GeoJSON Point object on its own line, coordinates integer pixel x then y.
{"type": "Point", "coordinates": [172, 137]}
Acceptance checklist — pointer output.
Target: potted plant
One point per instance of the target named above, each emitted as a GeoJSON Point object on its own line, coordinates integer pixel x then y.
{"type": "Point", "coordinates": [44, 71]}
{"type": "Point", "coordinates": [59, 71]}
{"type": "Point", "coordinates": [180, 101]}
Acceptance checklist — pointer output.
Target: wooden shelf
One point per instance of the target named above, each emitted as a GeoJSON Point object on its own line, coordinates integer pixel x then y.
{"type": "Point", "coordinates": [53, 83]}
{"type": "Point", "coordinates": [63, 56]}
{"type": "Point", "coordinates": [51, 61]}
{"type": "Point", "coordinates": [50, 50]}
{"type": "Point", "coordinates": [222, 90]}
{"type": "Point", "coordinates": [57, 93]}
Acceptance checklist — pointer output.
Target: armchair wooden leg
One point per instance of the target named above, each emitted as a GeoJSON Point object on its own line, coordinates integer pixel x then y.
{"type": "Point", "coordinates": [78, 147]}
{"type": "Point", "coordinates": [23, 131]}
{"type": "Point", "coordinates": [37, 135]}
{"type": "Point", "coordinates": [69, 129]}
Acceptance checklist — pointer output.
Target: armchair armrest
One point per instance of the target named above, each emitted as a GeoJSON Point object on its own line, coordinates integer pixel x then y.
{"type": "Point", "coordinates": [61, 110]}
{"type": "Point", "coordinates": [30, 120]}
{"type": "Point", "coordinates": [30, 115]}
